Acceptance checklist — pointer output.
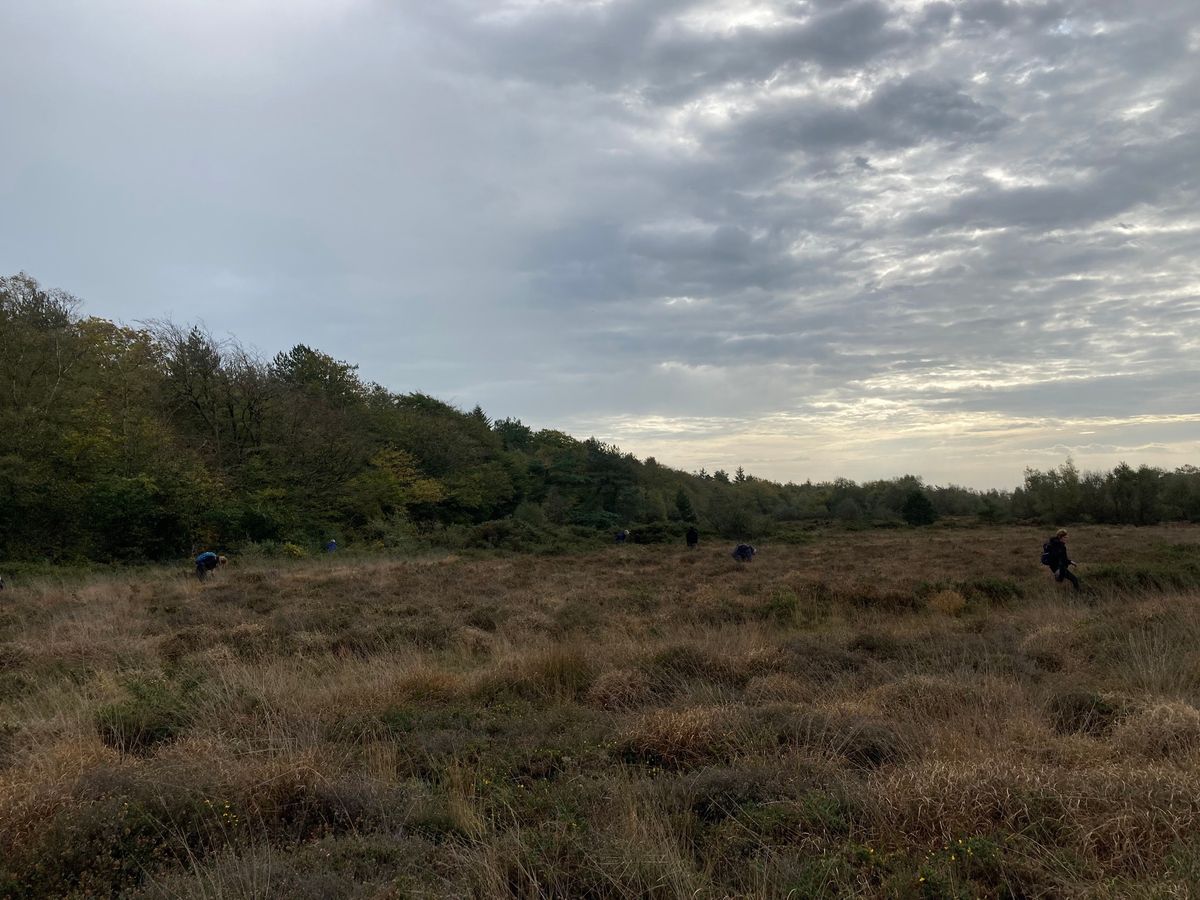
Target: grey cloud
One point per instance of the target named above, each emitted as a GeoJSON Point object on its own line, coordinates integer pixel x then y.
{"type": "Point", "coordinates": [854, 205]}
{"type": "Point", "coordinates": [1135, 174]}
{"type": "Point", "coordinates": [641, 47]}
{"type": "Point", "coordinates": [899, 114]}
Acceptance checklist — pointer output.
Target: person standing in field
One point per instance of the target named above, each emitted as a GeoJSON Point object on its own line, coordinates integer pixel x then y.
{"type": "Point", "coordinates": [693, 537]}
{"type": "Point", "coordinates": [207, 562]}
{"type": "Point", "coordinates": [1055, 555]}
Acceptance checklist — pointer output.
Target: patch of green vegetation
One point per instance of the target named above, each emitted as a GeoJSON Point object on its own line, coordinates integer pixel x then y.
{"type": "Point", "coordinates": [1140, 579]}
{"type": "Point", "coordinates": [155, 710]}
{"type": "Point", "coordinates": [991, 589]}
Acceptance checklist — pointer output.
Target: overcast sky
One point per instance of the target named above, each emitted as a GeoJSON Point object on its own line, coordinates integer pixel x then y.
{"type": "Point", "coordinates": [812, 238]}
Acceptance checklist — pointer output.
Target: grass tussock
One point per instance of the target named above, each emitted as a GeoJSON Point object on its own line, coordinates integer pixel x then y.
{"type": "Point", "coordinates": [642, 721]}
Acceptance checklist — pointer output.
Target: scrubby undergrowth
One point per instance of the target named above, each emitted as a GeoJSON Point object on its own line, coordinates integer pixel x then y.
{"type": "Point", "coordinates": [875, 719]}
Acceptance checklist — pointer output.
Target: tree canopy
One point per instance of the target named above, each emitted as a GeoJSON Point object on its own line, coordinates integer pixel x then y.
{"type": "Point", "coordinates": [152, 442]}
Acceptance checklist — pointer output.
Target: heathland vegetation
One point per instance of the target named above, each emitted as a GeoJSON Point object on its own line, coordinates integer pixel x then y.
{"type": "Point", "coordinates": [145, 443]}
{"type": "Point", "coordinates": [863, 711]}
{"type": "Point", "coordinates": [912, 713]}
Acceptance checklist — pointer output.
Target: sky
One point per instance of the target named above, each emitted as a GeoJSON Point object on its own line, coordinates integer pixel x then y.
{"type": "Point", "coordinates": [812, 238]}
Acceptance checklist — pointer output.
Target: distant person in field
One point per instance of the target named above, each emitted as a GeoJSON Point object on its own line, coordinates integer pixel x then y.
{"type": "Point", "coordinates": [1055, 555]}
{"type": "Point", "coordinates": [621, 536]}
{"type": "Point", "coordinates": [207, 562]}
{"type": "Point", "coordinates": [744, 553]}
{"type": "Point", "coordinates": [331, 546]}
{"type": "Point", "coordinates": [693, 537]}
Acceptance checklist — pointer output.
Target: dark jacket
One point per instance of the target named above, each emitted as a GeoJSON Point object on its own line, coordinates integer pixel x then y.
{"type": "Point", "coordinates": [1058, 554]}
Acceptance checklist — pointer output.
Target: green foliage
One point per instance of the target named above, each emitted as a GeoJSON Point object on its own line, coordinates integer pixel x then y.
{"type": "Point", "coordinates": [156, 711]}
{"type": "Point", "coordinates": [127, 444]}
{"type": "Point", "coordinates": [918, 509]}
{"type": "Point", "coordinates": [657, 533]}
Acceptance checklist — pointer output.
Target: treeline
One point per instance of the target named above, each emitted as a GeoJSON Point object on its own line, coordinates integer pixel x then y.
{"type": "Point", "coordinates": [1124, 496]}
{"type": "Point", "coordinates": [121, 443]}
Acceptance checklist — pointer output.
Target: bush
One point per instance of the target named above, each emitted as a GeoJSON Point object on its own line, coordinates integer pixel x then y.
{"type": "Point", "coordinates": [657, 533]}
{"type": "Point", "coordinates": [918, 509]}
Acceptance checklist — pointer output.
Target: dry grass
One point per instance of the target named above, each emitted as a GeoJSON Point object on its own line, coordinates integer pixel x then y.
{"type": "Point", "coordinates": [854, 716]}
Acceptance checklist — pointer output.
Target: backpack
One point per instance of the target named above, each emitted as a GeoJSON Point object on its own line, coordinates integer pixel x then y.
{"type": "Point", "coordinates": [1047, 559]}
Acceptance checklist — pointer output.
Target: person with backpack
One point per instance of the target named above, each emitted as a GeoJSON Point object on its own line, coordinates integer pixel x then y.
{"type": "Point", "coordinates": [207, 562]}
{"type": "Point", "coordinates": [693, 537]}
{"type": "Point", "coordinates": [744, 553]}
{"type": "Point", "coordinates": [1055, 555]}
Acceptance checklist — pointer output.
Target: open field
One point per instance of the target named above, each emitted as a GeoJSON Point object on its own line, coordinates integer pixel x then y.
{"type": "Point", "coordinates": [907, 713]}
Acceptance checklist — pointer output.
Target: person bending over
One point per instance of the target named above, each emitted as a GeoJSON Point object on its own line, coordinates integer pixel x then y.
{"type": "Point", "coordinates": [207, 562]}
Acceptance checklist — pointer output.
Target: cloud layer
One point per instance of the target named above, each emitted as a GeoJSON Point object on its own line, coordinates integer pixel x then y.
{"type": "Point", "coordinates": [811, 238]}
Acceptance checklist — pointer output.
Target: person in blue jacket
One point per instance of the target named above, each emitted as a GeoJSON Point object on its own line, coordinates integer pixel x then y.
{"type": "Point", "coordinates": [744, 553]}
{"type": "Point", "coordinates": [207, 562]}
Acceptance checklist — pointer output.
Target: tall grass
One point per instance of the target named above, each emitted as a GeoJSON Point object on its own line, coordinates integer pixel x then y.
{"type": "Point", "coordinates": [629, 723]}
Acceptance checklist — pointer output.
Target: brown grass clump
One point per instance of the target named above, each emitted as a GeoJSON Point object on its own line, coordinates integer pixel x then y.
{"type": "Point", "coordinates": [865, 742]}
{"type": "Point", "coordinates": [1169, 729]}
{"type": "Point", "coordinates": [947, 603]}
{"type": "Point", "coordinates": [685, 737]}
{"type": "Point", "coordinates": [426, 684]}
{"type": "Point", "coordinates": [619, 689]}
{"type": "Point", "coordinates": [936, 697]}
{"type": "Point", "coordinates": [1078, 710]}
{"type": "Point", "coordinates": [777, 687]}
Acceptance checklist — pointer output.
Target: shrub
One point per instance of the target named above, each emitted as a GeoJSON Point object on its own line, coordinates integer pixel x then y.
{"type": "Point", "coordinates": [657, 533]}
{"type": "Point", "coordinates": [918, 509]}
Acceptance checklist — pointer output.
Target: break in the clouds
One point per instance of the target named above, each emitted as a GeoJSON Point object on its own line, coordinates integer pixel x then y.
{"type": "Point", "coordinates": [809, 237]}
